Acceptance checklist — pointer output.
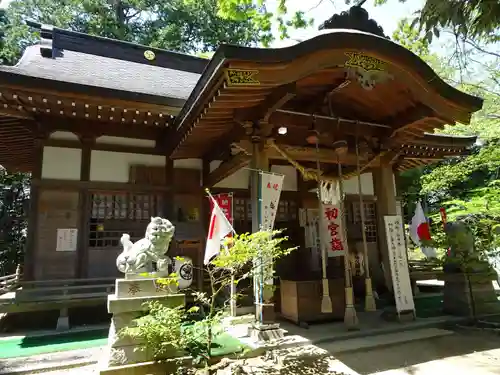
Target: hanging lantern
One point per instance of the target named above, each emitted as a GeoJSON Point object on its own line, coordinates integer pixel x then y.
{"type": "Point", "coordinates": [340, 147]}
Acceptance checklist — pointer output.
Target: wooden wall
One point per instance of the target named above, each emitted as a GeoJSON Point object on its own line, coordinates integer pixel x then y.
{"type": "Point", "coordinates": [57, 209]}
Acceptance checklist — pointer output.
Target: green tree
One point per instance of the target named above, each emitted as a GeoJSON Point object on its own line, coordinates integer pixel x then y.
{"type": "Point", "coordinates": [468, 185]}
{"type": "Point", "coordinates": [178, 25]}
{"type": "Point", "coordinates": [467, 18]}
{"type": "Point", "coordinates": [14, 199]}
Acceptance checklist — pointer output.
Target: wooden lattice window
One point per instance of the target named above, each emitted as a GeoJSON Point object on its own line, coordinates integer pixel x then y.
{"type": "Point", "coordinates": [287, 210]}
{"type": "Point", "coordinates": [112, 214]}
{"type": "Point", "coordinates": [239, 209]}
{"type": "Point", "coordinates": [370, 219]}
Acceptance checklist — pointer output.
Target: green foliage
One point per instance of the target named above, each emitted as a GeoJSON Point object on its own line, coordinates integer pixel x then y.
{"type": "Point", "coordinates": [262, 18]}
{"type": "Point", "coordinates": [160, 329]}
{"type": "Point", "coordinates": [458, 176]}
{"type": "Point", "coordinates": [467, 18]}
{"type": "Point", "coordinates": [178, 25]}
{"type": "Point", "coordinates": [14, 199]}
{"type": "Point", "coordinates": [480, 211]}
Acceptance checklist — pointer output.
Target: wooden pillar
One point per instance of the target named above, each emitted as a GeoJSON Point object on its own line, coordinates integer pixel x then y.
{"type": "Point", "coordinates": [82, 251]}
{"type": "Point", "coordinates": [169, 194]}
{"type": "Point", "coordinates": [205, 219]}
{"type": "Point", "coordinates": [265, 314]}
{"type": "Point", "coordinates": [32, 235]}
{"type": "Point", "coordinates": [383, 183]}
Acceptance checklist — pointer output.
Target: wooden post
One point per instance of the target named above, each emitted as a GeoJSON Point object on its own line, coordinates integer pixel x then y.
{"type": "Point", "coordinates": [205, 219]}
{"type": "Point", "coordinates": [260, 162]}
{"type": "Point", "coordinates": [32, 236]}
{"type": "Point", "coordinates": [383, 183]}
{"type": "Point", "coordinates": [82, 256]}
{"type": "Point", "coordinates": [168, 195]}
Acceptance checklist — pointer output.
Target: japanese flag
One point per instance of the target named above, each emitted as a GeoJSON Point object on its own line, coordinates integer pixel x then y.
{"type": "Point", "coordinates": [219, 228]}
{"type": "Point", "coordinates": [419, 230]}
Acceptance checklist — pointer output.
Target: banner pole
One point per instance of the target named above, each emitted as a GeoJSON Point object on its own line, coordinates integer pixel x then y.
{"type": "Point", "coordinates": [232, 296]}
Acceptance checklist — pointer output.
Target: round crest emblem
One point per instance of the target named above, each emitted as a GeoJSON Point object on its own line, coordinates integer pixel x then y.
{"type": "Point", "coordinates": [186, 271]}
{"type": "Point", "coordinates": [149, 55]}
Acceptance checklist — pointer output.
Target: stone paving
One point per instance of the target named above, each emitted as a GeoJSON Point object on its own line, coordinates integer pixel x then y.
{"type": "Point", "coordinates": [458, 353]}
{"type": "Point", "coordinates": [45, 361]}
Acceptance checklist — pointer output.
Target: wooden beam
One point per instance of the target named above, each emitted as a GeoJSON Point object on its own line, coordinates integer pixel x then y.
{"type": "Point", "coordinates": [82, 253]}
{"type": "Point", "coordinates": [226, 169]}
{"type": "Point", "coordinates": [405, 120]}
{"type": "Point", "coordinates": [323, 125]}
{"type": "Point", "coordinates": [98, 128]}
{"type": "Point", "coordinates": [56, 184]}
{"type": "Point", "coordinates": [11, 112]}
{"type": "Point", "coordinates": [306, 154]}
{"type": "Point", "coordinates": [271, 103]}
{"type": "Point", "coordinates": [66, 143]}
{"type": "Point", "coordinates": [33, 215]}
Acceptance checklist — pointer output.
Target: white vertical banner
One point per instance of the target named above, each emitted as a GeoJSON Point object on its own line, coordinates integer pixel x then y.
{"type": "Point", "coordinates": [332, 234]}
{"type": "Point", "coordinates": [270, 191]}
{"type": "Point", "coordinates": [269, 194]}
{"type": "Point", "coordinates": [399, 263]}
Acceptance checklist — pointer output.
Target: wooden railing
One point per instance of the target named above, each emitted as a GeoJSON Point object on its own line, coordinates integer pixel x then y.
{"type": "Point", "coordinates": [65, 290]}
{"type": "Point", "coordinates": [10, 282]}
{"type": "Point", "coordinates": [424, 270]}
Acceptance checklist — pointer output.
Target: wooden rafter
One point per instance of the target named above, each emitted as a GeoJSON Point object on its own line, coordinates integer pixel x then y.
{"type": "Point", "coordinates": [272, 102]}
{"type": "Point", "coordinates": [223, 144]}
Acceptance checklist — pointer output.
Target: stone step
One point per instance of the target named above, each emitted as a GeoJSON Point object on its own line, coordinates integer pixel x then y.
{"type": "Point", "coordinates": [377, 341]}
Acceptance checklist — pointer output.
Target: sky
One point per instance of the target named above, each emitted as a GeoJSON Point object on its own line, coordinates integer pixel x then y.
{"type": "Point", "coordinates": [387, 15]}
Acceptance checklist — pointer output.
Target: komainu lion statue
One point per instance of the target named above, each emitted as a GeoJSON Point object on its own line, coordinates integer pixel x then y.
{"type": "Point", "coordinates": [139, 257]}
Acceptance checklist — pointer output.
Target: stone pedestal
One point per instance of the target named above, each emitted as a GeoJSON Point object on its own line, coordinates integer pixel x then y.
{"type": "Point", "coordinates": [126, 305]}
{"type": "Point", "coordinates": [264, 313]}
{"type": "Point", "coordinates": [466, 294]}
{"type": "Point", "coordinates": [266, 332]}
{"type": "Point", "coordinates": [265, 327]}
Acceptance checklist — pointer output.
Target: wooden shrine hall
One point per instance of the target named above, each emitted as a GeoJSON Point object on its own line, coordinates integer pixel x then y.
{"type": "Point", "coordinates": [114, 132]}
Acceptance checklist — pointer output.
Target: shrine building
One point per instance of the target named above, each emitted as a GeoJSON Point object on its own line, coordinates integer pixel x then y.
{"type": "Point", "coordinates": [114, 133]}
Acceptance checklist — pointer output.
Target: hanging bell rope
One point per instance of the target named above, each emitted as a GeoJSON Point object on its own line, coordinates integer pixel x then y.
{"type": "Point", "coordinates": [311, 175]}
{"type": "Point", "coordinates": [326, 301]}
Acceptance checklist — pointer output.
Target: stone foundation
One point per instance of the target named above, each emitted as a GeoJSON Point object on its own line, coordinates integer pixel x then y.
{"type": "Point", "coordinates": [462, 299]}
{"type": "Point", "coordinates": [127, 304]}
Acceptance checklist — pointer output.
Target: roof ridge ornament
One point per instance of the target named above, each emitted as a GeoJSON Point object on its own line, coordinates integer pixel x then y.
{"type": "Point", "coordinates": [355, 18]}
{"type": "Point", "coordinates": [46, 38]}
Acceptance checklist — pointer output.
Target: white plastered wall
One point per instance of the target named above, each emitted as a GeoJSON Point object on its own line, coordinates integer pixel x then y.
{"type": "Point", "coordinates": [61, 163]}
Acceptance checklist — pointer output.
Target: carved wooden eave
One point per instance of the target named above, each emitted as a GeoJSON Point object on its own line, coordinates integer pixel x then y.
{"type": "Point", "coordinates": [238, 83]}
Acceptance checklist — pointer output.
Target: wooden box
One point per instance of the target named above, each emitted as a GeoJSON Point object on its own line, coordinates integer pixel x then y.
{"type": "Point", "coordinates": [301, 300]}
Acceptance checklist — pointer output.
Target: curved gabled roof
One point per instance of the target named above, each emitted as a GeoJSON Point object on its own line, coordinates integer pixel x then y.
{"type": "Point", "coordinates": [275, 67]}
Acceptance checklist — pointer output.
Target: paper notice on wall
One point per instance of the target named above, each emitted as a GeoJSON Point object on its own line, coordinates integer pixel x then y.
{"type": "Point", "coordinates": [66, 239]}
{"type": "Point", "coordinates": [399, 263]}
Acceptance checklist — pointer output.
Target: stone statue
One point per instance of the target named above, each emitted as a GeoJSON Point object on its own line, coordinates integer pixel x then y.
{"type": "Point", "coordinates": [460, 238]}
{"type": "Point", "coordinates": [462, 255]}
{"type": "Point", "coordinates": [139, 257]}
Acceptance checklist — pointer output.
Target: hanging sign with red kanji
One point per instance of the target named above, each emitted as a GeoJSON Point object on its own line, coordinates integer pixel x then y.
{"type": "Point", "coordinates": [332, 233]}
{"type": "Point", "coordinates": [225, 202]}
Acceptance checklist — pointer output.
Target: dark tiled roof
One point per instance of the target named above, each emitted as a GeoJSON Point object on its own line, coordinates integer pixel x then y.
{"type": "Point", "coordinates": [104, 72]}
